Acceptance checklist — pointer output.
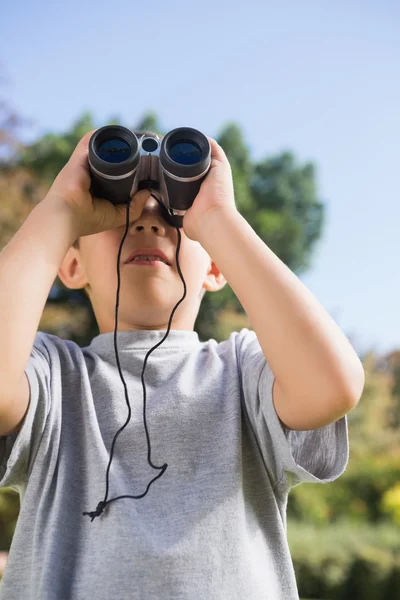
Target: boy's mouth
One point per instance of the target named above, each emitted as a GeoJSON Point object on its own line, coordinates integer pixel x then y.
{"type": "Point", "coordinates": [148, 256]}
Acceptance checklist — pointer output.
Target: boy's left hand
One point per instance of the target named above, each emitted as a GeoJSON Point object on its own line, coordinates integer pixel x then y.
{"type": "Point", "coordinates": [216, 193]}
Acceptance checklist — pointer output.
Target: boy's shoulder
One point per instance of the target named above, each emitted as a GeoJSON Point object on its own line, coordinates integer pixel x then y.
{"type": "Point", "coordinates": [49, 346]}
{"type": "Point", "coordinates": [44, 338]}
{"type": "Point", "coordinates": [241, 345]}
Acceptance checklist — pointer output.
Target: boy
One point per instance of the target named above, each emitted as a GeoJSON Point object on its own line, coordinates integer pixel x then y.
{"type": "Point", "coordinates": [238, 422]}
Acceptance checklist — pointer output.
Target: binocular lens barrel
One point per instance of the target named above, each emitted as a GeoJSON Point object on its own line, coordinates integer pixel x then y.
{"type": "Point", "coordinates": [120, 165]}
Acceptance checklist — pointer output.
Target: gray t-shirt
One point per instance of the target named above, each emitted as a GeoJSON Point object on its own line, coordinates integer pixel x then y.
{"type": "Point", "coordinates": [212, 526]}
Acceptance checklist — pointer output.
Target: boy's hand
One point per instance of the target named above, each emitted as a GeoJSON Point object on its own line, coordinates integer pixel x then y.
{"type": "Point", "coordinates": [216, 193]}
{"type": "Point", "coordinates": [91, 215]}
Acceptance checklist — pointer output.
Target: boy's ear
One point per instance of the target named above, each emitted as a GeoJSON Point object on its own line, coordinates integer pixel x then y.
{"type": "Point", "coordinates": [71, 271]}
{"type": "Point", "coordinates": [214, 280]}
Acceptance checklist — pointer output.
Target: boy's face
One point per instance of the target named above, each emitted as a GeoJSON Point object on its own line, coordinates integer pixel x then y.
{"type": "Point", "coordinates": [148, 293]}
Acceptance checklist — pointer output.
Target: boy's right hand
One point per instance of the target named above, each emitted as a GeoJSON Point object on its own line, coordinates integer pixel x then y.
{"type": "Point", "coordinates": [90, 214]}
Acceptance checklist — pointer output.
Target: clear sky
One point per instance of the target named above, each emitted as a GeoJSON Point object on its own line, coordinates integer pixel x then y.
{"type": "Point", "coordinates": [319, 79]}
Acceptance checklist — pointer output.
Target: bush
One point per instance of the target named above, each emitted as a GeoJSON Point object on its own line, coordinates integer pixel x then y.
{"type": "Point", "coordinates": [9, 510]}
{"type": "Point", "coordinates": [346, 562]}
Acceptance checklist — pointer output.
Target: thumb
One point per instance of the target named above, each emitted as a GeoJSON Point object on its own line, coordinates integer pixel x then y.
{"type": "Point", "coordinates": [114, 215]}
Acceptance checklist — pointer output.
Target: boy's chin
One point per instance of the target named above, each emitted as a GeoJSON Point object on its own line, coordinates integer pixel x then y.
{"type": "Point", "coordinates": [152, 314]}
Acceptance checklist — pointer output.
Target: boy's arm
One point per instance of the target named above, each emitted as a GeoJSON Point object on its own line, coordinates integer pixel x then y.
{"type": "Point", "coordinates": [28, 267]}
{"type": "Point", "coordinates": [30, 262]}
{"type": "Point", "coordinates": [318, 375]}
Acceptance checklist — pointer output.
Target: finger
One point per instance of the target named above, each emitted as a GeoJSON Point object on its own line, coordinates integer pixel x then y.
{"type": "Point", "coordinates": [84, 141]}
{"type": "Point", "coordinates": [137, 204]}
{"type": "Point", "coordinates": [79, 155]}
{"type": "Point", "coordinates": [217, 152]}
{"type": "Point", "coordinates": [139, 200]}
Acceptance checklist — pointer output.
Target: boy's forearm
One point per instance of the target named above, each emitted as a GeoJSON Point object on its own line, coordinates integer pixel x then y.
{"type": "Point", "coordinates": [28, 268]}
{"type": "Point", "coordinates": [318, 373]}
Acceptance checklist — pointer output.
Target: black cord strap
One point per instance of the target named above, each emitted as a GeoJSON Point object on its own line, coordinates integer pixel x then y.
{"type": "Point", "coordinates": [103, 503]}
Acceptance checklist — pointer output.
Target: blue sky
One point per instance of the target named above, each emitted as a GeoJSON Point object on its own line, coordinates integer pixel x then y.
{"type": "Point", "coordinates": [320, 80]}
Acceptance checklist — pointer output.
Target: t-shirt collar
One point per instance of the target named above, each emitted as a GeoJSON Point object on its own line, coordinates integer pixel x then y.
{"type": "Point", "coordinates": [143, 340]}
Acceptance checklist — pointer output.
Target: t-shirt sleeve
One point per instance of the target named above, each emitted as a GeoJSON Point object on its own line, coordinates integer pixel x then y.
{"type": "Point", "coordinates": [291, 457]}
{"type": "Point", "coordinates": [18, 450]}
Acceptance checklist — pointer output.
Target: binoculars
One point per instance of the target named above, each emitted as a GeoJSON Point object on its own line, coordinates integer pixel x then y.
{"type": "Point", "coordinates": [171, 166]}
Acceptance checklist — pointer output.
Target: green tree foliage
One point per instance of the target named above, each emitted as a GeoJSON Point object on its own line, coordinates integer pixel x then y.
{"type": "Point", "coordinates": [366, 492]}
{"type": "Point", "coordinates": [345, 562]}
{"type": "Point", "coordinates": [26, 173]}
{"type": "Point", "coordinates": [277, 196]}
{"type": "Point", "coordinates": [393, 366]}
{"type": "Point", "coordinates": [48, 155]}
{"type": "Point", "coordinates": [149, 122]}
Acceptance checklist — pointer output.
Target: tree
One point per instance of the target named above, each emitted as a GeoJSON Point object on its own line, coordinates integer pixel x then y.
{"type": "Point", "coordinates": [149, 122]}
{"type": "Point", "coordinates": [368, 490]}
{"type": "Point", "coordinates": [49, 154]}
{"type": "Point", "coordinates": [277, 196]}
{"type": "Point", "coordinates": [16, 188]}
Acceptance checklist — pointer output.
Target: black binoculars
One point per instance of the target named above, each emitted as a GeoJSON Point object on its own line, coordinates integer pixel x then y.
{"type": "Point", "coordinates": [171, 166]}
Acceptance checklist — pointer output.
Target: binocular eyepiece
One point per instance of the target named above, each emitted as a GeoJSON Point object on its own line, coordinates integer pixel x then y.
{"type": "Point", "coordinates": [172, 167]}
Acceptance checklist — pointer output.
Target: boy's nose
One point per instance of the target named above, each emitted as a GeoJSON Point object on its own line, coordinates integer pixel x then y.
{"type": "Point", "coordinates": [151, 218]}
